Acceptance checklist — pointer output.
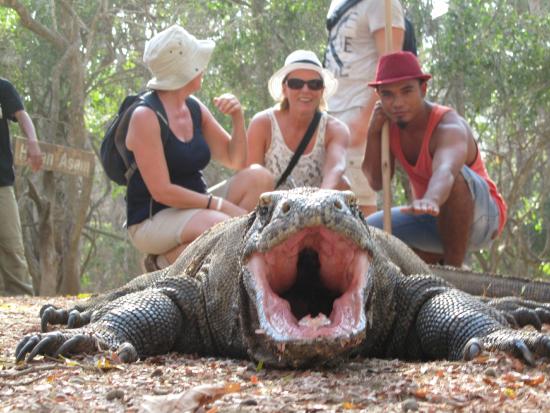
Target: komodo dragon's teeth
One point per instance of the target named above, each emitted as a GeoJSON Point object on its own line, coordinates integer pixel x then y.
{"type": "Point", "coordinates": [320, 320]}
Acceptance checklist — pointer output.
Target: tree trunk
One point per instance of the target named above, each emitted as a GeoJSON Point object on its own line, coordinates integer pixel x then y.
{"type": "Point", "coordinates": [62, 204]}
{"type": "Point", "coordinates": [535, 6]}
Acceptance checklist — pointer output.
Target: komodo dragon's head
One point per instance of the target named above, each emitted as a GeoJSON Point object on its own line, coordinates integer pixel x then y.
{"type": "Point", "coordinates": [306, 260]}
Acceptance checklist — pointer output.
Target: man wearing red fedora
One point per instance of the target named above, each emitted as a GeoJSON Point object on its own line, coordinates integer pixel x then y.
{"type": "Point", "coordinates": [456, 207]}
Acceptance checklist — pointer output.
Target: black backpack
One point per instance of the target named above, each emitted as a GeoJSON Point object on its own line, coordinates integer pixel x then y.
{"type": "Point", "coordinates": [409, 42]}
{"type": "Point", "coordinates": [113, 152]}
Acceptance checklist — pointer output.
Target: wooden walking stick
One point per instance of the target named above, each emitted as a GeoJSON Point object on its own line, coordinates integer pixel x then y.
{"type": "Point", "coordinates": [386, 167]}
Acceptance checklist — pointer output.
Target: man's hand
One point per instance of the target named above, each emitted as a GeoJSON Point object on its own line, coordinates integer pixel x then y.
{"type": "Point", "coordinates": [377, 119]}
{"type": "Point", "coordinates": [34, 155]}
{"type": "Point", "coordinates": [228, 104]}
{"type": "Point", "coordinates": [421, 207]}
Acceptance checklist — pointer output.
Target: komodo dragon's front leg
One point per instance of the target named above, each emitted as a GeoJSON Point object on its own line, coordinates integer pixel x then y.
{"type": "Point", "coordinates": [144, 323]}
{"type": "Point", "coordinates": [470, 328]}
{"type": "Point", "coordinates": [84, 313]}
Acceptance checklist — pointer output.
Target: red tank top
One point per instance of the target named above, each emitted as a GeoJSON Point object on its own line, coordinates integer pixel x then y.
{"type": "Point", "coordinates": [420, 173]}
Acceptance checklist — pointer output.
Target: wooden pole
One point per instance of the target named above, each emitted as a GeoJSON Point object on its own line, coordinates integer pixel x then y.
{"type": "Point", "coordinates": [386, 167]}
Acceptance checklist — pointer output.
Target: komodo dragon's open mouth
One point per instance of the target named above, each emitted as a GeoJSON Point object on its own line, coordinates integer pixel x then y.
{"type": "Point", "coordinates": [310, 286]}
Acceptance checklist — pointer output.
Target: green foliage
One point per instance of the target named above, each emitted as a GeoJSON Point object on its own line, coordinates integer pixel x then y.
{"type": "Point", "coordinates": [489, 60]}
{"type": "Point", "coordinates": [119, 263]}
{"type": "Point", "coordinates": [253, 41]}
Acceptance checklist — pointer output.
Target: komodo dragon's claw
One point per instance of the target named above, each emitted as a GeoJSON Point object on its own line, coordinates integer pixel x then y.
{"type": "Point", "coordinates": [522, 350]}
{"type": "Point", "coordinates": [25, 346]}
{"type": "Point", "coordinates": [46, 345]}
{"type": "Point", "coordinates": [67, 347]}
{"type": "Point", "coordinates": [525, 345]}
{"type": "Point", "coordinates": [50, 314]}
{"type": "Point", "coordinates": [472, 349]}
{"type": "Point", "coordinates": [522, 312]}
{"type": "Point", "coordinates": [78, 319]}
{"type": "Point", "coordinates": [55, 344]}
{"type": "Point", "coordinates": [33, 345]}
{"type": "Point", "coordinates": [525, 317]}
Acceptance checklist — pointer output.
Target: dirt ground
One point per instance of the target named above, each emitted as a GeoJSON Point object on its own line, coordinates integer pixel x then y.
{"type": "Point", "coordinates": [176, 382]}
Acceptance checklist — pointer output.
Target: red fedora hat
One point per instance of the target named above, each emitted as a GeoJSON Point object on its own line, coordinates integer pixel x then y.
{"type": "Point", "coordinates": [398, 66]}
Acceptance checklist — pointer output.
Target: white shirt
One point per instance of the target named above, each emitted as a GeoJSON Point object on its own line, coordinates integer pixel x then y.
{"type": "Point", "coordinates": [351, 51]}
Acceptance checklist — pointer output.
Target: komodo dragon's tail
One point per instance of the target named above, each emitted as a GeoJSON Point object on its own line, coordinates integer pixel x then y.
{"type": "Point", "coordinates": [494, 285]}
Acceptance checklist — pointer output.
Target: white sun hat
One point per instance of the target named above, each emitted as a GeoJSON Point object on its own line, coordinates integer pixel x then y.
{"type": "Point", "coordinates": [301, 59]}
{"type": "Point", "coordinates": [175, 57]}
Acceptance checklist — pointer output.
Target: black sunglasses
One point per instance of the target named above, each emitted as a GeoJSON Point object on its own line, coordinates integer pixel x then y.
{"type": "Point", "coordinates": [313, 84]}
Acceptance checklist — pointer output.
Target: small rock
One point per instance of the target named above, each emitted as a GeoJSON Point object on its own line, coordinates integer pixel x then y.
{"type": "Point", "coordinates": [491, 372]}
{"type": "Point", "coordinates": [77, 380]}
{"type": "Point", "coordinates": [249, 402]}
{"type": "Point", "coordinates": [409, 405]}
{"type": "Point", "coordinates": [115, 394]}
{"type": "Point", "coordinates": [161, 391]}
{"type": "Point", "coordinates": [156, 373]}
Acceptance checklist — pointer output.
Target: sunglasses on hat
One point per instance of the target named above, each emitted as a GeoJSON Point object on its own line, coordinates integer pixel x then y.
{"type": "Point", "coordinates": [312, 84]}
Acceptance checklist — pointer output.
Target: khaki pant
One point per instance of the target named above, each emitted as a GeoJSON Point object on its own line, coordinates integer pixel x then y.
{"type": "Point", "coordinates": [162, 232]}
{"type": "Point", "coordinates": [14, 273]}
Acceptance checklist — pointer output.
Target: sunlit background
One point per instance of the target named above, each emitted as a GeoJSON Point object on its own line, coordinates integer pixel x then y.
{"type": "Point", "coordinates": [439, 8]}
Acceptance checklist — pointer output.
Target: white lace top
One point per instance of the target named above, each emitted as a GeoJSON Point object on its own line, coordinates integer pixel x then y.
{"type": "Point", "coordinates": [309, 169]}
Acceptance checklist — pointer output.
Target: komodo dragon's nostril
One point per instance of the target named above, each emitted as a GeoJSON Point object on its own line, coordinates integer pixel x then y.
{"type": "Point", "coordinates": [285, 207]}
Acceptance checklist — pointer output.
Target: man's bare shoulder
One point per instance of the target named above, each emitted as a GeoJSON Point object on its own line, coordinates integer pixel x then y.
{"type": "Point", "coordinates": [453, 132]}
{"type": "Point", "coordinates": [452, 125]}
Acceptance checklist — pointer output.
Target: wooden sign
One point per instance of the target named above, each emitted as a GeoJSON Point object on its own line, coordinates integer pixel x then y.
{"type": "Point", "coordinates": [58, 158]}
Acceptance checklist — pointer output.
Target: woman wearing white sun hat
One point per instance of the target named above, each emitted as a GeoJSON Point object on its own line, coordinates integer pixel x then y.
{"type": "Point", "coordinates": [168, 204]}
{"type": "Point", "coordinates": [301, 88]}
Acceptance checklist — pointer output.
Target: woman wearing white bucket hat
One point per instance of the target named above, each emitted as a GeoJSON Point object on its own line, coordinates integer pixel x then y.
{"type": "Point", "coordinates": [301, 88]}
{"type": "Point", "coordinates": [168, 203]}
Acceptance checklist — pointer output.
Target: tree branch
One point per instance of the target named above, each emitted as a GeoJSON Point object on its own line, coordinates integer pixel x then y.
{"type": "Point", "coordinates": [33, 25]}
{"type": "Point", "coordinates": [74, 14]}
{"type": "Point", "coordinates": [241, 3]}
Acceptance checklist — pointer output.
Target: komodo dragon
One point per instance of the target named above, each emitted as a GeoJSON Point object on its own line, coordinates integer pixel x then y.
{"type": "Point", "coordinates": [299, 281]}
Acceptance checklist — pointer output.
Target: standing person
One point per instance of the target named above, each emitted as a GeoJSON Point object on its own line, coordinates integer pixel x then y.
{"type": "Point", "coordinates": [14, 273]}
{"type": "Point", "coordinates": [356, 40]}
{"type": "Point", "coordinates": [168, 205]}
{"type": "Point", "coordinates": [300, 87]}
{"type": "Point", "coordinates": [456, 207]}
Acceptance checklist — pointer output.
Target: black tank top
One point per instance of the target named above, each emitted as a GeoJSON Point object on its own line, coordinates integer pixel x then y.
{"type": "Point", "coordinates": [185, 161]}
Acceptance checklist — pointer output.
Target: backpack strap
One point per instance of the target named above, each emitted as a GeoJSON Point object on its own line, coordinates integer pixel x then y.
{"type": "Point", "coordinates": [152, 101]}
{"type": "Point", "coordinates": [338, 12]}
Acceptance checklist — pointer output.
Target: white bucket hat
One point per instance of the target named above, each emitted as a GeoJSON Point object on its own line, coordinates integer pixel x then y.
{"type": "Point", "coordinates": [175, 57]}
{"type": "Point", "coordinates": [301, 59]}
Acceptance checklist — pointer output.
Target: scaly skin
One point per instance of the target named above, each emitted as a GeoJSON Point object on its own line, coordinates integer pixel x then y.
{"type": "Point", "coordinates": [494, 285]}
{"type": "Point", "coordinates": [302, 280]}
